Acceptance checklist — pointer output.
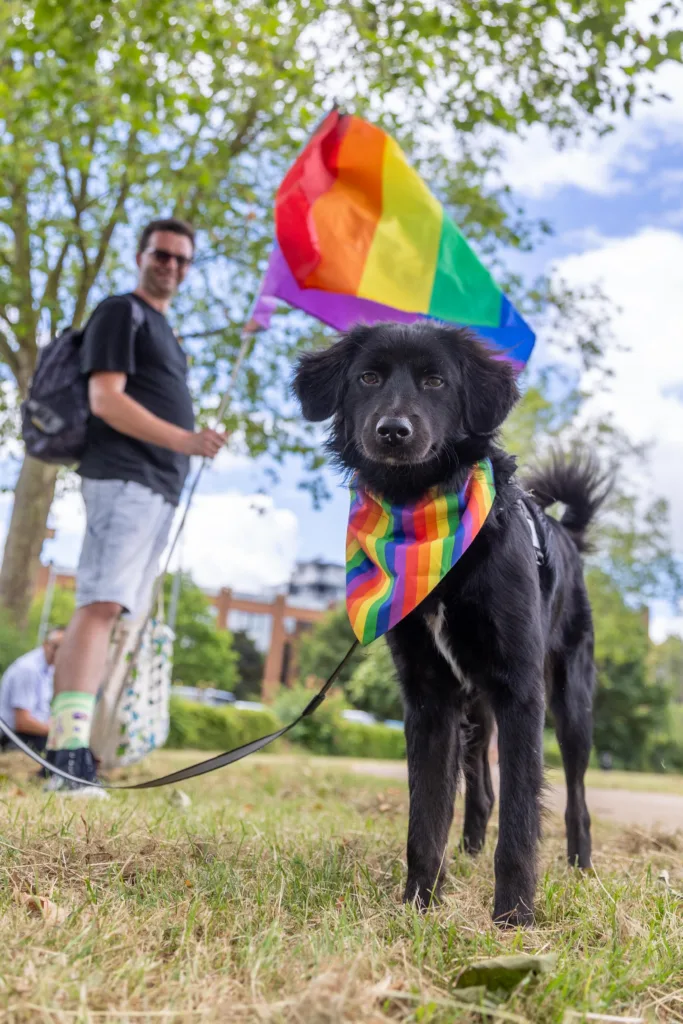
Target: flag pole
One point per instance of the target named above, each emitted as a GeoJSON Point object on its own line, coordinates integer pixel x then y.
{"type": "Point", "coordinates": [246, 340]}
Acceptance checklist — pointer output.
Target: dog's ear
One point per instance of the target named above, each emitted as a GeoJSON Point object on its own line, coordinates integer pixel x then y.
{"type": "Point", "coordinates": [320, 376]}
{"type": "Point", "coordinates": [490, 389]}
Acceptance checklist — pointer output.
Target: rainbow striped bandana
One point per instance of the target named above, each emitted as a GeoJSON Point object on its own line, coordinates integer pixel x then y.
{"type": "Point", "coordinates": [397, 554]}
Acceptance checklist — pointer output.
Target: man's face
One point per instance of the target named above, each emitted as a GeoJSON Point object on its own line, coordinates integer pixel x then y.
{"type": "Point", "coordinates": [164, 262]}
{"type": "Point", "coordinates": [51, 646]}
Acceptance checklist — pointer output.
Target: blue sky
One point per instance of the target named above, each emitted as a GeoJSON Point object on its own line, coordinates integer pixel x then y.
{"type": "Point", "coordinates": [616, 205]}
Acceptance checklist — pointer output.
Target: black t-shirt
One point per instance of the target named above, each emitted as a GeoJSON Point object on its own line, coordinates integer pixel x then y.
{"type": "Point", "coordinates": [156, 368]}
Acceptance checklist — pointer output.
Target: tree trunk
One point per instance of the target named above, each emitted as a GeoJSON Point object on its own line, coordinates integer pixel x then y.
{"type": "Point", "coordinates": [32, 499]}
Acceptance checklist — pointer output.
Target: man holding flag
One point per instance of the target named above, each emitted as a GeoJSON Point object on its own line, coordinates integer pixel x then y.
{"type": "Point", "coordinates": [141, 435]}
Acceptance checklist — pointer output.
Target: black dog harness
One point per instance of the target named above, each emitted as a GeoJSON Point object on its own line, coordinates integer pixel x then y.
{"type": "Point", "coordinates": [532, 524]}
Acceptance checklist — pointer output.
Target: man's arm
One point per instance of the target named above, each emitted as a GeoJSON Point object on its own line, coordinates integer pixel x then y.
{"type": "Point", "coordinates": [108, 400]}
{"type": "Point", "coordinates": [24, 721]}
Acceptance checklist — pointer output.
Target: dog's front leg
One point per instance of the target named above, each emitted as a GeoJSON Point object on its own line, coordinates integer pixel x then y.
{"type": "Point", "coordinates": [432, 738]}
{"type": "Point", "coordinates": [520, 756]}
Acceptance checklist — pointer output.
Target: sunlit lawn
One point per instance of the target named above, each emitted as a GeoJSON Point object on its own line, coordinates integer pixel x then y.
{"type": "Point", "coordinates": [275, 896]}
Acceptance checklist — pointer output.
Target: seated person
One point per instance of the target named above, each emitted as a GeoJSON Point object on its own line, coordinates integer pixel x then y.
{"type": "Point", "coordinates": [26, 692]}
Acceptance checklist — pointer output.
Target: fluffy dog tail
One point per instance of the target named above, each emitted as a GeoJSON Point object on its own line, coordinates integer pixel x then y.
{"type": "Point", "coordinates": [577, 481]}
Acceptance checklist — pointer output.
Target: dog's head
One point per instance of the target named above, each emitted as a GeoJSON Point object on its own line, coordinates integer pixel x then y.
{"type": "Point", "coordinates": [411, 404]}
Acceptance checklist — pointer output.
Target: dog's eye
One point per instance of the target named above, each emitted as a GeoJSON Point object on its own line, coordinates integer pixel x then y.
{"type": "Point", "coordinates": [369, 378]}
{"type": "Point", "coordinates": [433, 381]}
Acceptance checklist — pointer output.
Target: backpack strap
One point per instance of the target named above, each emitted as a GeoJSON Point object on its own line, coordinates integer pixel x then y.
{"type": "Point", "coordinates": [138, 313]}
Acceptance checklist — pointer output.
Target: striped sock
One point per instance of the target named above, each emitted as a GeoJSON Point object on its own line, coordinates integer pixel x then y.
{"type": "Point", "coordinates": [70, 720]}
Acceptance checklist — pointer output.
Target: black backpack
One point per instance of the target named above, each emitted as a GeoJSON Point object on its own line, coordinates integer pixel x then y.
{"type": "Point", "coordinates": [54, 416]}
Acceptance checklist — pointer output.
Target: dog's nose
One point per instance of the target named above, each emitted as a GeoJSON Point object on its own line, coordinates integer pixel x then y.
{"type": "Point", "coordinates": [394, 430]}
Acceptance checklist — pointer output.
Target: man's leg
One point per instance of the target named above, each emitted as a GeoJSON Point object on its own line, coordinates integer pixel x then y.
{"type": "Point", "coordinates": [124, 521]}
{"type": "Point", "coordinates": [78, 673]}
{"type": "Point", "coordinates": [84, 649]}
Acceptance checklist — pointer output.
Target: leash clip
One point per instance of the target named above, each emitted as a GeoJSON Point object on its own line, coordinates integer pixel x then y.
{"type": "Point", "coordinates": [314, 705]}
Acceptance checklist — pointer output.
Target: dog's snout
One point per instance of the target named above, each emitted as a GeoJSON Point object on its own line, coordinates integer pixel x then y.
{"type": "Point", "coordinates": [394, 430]}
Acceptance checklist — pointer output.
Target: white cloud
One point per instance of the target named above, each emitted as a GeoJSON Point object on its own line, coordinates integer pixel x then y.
{"type": "Point", "coordinates": [241, 541]}
{"type": "Point", "coordinates": [643, 276]}
{"type": "Point", "coordinates": [664, 624]}
{"type": "Point", "coordinates": [601, 165]}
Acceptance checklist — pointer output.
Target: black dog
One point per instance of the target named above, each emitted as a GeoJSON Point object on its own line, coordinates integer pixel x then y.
{"type": "Point", "coordinates": [415, 407]}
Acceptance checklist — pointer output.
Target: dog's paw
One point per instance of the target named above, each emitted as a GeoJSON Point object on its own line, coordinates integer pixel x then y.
{"type": "Point", "coordinates": [422, 895]}
{"type": "Point", "coordinates": [472, 844]}
{"type": "Point", "coordinates": [519, 917]}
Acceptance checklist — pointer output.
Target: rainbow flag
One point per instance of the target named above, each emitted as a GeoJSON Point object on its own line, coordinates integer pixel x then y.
{"type": "Point", "coordinates": [397, 554]}
{"type": "Point", "coordinates": [360, 238]}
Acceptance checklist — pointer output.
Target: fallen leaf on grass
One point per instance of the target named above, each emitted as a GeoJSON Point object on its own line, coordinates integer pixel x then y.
{"type": "Point", "coordinates": [475, 994]}
{"type": "Point", "coordinates": [504, 972]}
{"type": "Point", "coordinates": [41, 906]}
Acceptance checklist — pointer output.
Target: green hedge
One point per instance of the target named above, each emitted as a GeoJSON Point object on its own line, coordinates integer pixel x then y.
{"type": "Point", "coordinates": [317, 732]}
{"type": "Point", "coordinates": [203, 727]}
{"type": "Point", "coordinates": [351, 739]}
{"type": "Point", "coordinates": [551, 750]}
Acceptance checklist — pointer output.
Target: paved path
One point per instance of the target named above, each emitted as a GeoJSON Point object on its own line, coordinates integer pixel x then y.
{"type": "Point", "coordinates": [664, 810]}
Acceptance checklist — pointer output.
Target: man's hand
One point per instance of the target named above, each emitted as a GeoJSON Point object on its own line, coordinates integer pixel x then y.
{"type": "Point", "coordinates": [109, 401]}
{"type": "Point", "coordinates": [25, 722]}
{"type": "Point", "coordinates": [206, 443]}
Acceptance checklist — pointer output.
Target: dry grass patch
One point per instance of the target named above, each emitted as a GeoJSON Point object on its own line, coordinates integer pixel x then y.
{"type": "Point", "coordinates": [275, 897]}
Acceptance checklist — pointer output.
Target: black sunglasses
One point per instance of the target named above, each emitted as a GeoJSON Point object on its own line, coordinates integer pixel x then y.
{"type": "Point", "coordinates": [164, 258]}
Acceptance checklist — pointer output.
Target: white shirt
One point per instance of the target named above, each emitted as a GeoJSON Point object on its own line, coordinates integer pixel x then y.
{"type": "Point", "coordinates": [27, 684]}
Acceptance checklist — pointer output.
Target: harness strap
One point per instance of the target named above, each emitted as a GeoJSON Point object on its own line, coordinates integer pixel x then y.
{"type": "Point", "coordinates": [540, 556]}
{"type": "Point", "coordinates": [202, 767]}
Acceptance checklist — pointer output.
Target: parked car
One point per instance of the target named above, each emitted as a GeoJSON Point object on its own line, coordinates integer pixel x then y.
{"type": "Point", "coordinates": [218, 697]}
{"type": "Point", "coordinates": [188, 693]}
{"type": "Point", "coordinates": [360, 717]}
{"type": "Point", "coordinates": [248, 705]}
{"type": "Point", "coordinates": [204, 695]}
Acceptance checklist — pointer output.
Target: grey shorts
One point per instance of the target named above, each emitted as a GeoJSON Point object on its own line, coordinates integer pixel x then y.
{"type": "Point", "coordinates": [127, 527]}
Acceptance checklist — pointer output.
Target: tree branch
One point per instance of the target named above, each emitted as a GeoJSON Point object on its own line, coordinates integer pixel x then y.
{"type": "Point", "coordinates": [67, 179]}
{"type": "Point", "coordinates": [208, 334]}
{"type": "Point", "coordinates": [54, 276]}
{"type": "Point", "coordinates": [79, 203]}
{"type": "Point", "coordinates": [92, 269]}
{"type": "Point", "coordinates": [7, 353]}
{"type": "Point", "coordinates": [25, 331]}
{"type": "Point", "coordinates": [237, 144]}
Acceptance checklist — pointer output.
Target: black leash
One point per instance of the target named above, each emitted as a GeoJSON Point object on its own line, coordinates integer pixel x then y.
{"type": "Point", "coordinates": [202, 767]}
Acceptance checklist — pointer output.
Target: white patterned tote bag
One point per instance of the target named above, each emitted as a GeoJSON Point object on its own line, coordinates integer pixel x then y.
{"type": "Point", "coordinates": [132, 715]}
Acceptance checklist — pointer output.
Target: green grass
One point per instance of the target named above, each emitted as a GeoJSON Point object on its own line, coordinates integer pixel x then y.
{"type": "Point", "coordinates": [640, 782]}
{"type": "Point", "coordinates": [276, 897]}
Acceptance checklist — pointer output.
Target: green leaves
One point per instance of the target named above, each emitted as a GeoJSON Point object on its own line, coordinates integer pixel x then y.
{"type": "Point", "coordinates": [111, 114]}
{"type": "Point", "coordinates": [630, 709]}
{"type": "Point", "coordinates": [202, 655]}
